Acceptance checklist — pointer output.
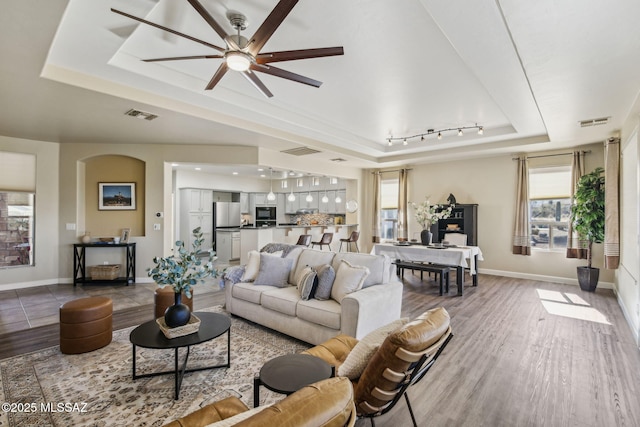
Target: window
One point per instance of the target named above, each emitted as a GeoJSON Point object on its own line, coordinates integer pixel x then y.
{"type": "Point", "coordinates": [549, 207]}
{"type": "Point", "coordinates": [389, 209]}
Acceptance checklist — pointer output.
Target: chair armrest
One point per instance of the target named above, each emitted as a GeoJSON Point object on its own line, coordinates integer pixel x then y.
{"type": "Point", "coordinates": [217, 411]}
{"type": "Point", "coordinates": [370, 308]}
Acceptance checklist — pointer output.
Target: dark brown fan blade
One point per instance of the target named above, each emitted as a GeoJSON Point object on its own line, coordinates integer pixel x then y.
{"type": "Point", "coordinates": [270, 25]}
{"type": "Point", "coordinates": [169, 30]}
{"type": "Point", "coordinates": [254, 80]}
{"type": "Point", "coordinates": [180, 58]}
{"type": "Point", "coordinates": [290, 55]}
{"type": "Point", "coordinates": [222, 69]}
{"type": "Point", "coordinates": [279, 72]}
{"type": "Point", "coordinates": [207, 17]}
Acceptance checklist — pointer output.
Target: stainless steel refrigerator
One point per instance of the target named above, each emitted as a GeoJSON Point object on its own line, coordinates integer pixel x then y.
{"type": "Point", "coordinates": [225, 215]}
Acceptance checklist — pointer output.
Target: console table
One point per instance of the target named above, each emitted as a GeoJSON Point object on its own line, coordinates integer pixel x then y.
{"type": "Point", "coordinates": [80, 270]}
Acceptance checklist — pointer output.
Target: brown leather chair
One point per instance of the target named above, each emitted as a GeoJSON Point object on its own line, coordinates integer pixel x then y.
{"type": "Point", "coordinates": [353, 238]}
{"type": "Point", "coordinates": [304, 240]}
{"type": "Point", "coordinates": [402, 359]}
{"type": "Point", "coordinates": [327, 403]}
{"type": "Point", "coordinates": [325, 240]}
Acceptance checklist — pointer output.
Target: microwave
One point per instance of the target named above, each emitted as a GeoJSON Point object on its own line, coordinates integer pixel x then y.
{"type": "Point", "coordinates": [267, 213]}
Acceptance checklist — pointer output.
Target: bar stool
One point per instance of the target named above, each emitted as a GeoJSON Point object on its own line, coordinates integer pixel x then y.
{"type": "Point", "coordinates": [353, 238]}
{"type": "Point", "coordinates": [324, 241]}
{"type": "Point", "coordinates": [304, 240]}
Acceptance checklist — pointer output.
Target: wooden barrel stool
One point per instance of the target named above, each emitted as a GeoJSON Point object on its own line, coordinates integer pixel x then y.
{"type": "Point", "coordinates": [85, 324]}
{"type": "Point", "coordinates": [165, 297]}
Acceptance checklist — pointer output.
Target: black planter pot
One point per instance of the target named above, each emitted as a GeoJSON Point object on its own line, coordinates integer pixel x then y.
{"type": "Point", "coordinates": [588, 278]}
{"type": "Point", "coordinates": [177, 314]}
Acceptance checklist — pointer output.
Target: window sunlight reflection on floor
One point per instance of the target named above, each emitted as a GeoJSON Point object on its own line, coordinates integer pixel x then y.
{"type": "Point", "coordinates": [570, 305]}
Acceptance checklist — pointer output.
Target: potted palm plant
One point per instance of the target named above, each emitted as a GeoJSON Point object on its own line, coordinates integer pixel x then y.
{"type": "Point", "coordinates": [587, 217]}
{"type": "Point", "coordinates": [182, 270]}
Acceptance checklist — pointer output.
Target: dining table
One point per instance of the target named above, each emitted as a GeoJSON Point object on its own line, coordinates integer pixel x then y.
{"type": "Point", "coordinates": [460, 257]}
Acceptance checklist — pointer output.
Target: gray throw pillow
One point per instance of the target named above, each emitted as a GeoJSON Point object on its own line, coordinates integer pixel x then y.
{"type": "Point", "coordinates": [274, 271]}
{"type": "Point", "coordinates": [326, 275]}
{"type": "Point", "coordinates": [307, 283]}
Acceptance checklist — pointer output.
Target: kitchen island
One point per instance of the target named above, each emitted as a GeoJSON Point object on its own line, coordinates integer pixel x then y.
{"type": "Point", "coordinates": [254, 238]}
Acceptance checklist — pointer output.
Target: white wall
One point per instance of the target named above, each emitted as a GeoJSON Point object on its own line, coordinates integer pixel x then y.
{"type": "Point", "coordinates": [628, 274]}
{"type": "Point", "coordinates": [48, 226]}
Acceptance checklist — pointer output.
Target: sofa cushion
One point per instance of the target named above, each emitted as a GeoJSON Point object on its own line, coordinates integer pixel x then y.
{"type": "Point", "coordinates": [416, 336]}
{"type": "Point", "coordinates": [326, 313]}
{"type": "Point", "coordinates": [307, 283]}
{"type": "Point", "coordinates": [247, 291]}
{"type": "Point", "coordinates": [326, 276]}
{"type": "Point", "coordinates": [379, 266]}
{"type": "Point", "coordinates": [312, 258]}
{"type": "Point", "coordinates": [252, 267]}
{"type": "Point", "coordinates": [274, 271]}
{"type": "Point", "coordinates": [282, 300]}
{"type": "Point", "coordinates": [327, 403]}
{"type": "Point", "coordinates": [293, 255]}
{"type": "Point", "coordinates": [349, 278]}
{"type": "Point", "coordinates": [359, 356]}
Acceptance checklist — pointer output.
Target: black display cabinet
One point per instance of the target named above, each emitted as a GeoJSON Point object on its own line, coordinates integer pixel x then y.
{"type": "Point", "coordinates": [463, 219]}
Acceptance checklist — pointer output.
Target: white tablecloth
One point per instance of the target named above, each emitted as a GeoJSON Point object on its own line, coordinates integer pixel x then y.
{"type": "Point", "coordinates": [462, 256]}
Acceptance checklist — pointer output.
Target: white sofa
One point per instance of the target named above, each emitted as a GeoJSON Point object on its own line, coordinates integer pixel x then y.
{"type": "Point", "coordinates": [376, 304]}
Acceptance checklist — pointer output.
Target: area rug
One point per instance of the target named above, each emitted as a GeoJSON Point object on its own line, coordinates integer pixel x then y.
{"type": "Point", "coordinates": [47, 388]}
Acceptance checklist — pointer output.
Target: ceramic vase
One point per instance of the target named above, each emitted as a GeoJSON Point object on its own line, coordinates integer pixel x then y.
{"type": "Point", "coordinates": [177, 314]}
{"type": "Point", "coordinates": [426, 236]}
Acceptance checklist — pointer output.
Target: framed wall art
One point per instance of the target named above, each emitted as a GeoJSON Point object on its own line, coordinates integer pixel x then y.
{"type": "Point", "coordinates": [117, 196]}
{"type": "Point", "coordinates": [124, 236]}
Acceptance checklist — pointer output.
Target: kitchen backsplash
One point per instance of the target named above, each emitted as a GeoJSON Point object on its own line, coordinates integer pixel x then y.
{"type": "Point", "coordinates": [315, 219]}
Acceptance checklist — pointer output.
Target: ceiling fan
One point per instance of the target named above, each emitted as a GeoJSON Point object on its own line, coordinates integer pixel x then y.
{"type": "Point", "coordinates": [242, 54]}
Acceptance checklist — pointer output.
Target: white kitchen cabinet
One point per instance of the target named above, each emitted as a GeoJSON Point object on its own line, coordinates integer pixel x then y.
{"type": "Point", "coordinates": [281, 207]}
{"type": "Point", "coordinates": [223, 246]}
{"type": "Point", "coordinates": [244, 203]}
{"type": "Point", "coordinates": [292, 207]}
{"type": "Point", "coordinates": [331, 205]}
{"type": "Point", "coordinates": [304, 204]}
{"type": "Point", "coordinates": [235, 245]}
{"type": "Point", "coordinates": [196, 210]}
{"type": "Point", "coordinates": [340, 206]}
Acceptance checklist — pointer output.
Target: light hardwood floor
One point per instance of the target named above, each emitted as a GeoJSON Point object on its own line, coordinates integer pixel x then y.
{"type": "Point", "coordinates": [511, 362]}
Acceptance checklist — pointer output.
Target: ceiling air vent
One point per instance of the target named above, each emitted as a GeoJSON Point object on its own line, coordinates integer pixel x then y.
{"type": "Point", "coordinates": [300, 151]}
{"type": "Point", "coordinates": [594, 122]}
{"type": "Point", "coordinates": [140, 114]}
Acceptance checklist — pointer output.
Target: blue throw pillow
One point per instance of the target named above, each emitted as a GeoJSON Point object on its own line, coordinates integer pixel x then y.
{"type": "Point", "coordinates": [274, 271]}
{"type": "Point", "coordinates": [326, 275]}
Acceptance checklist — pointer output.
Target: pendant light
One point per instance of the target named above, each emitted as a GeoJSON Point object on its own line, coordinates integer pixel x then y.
{"type": "Point", "coordinates": [338, 198]}
{"type": "Point", "coordinates": [309, 197]}
{"type": "Point", "coordinates": [291, 197]}
{"type": "Point", "coordinates": [271, 196]}
{"type": "Point", "coordinates": [325, 199]}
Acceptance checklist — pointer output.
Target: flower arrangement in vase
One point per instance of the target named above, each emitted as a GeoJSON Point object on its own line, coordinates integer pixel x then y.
{"type": "Point", "coordinates": [182, 270]}
{"type": "Point", "coordinates": [426, 214]}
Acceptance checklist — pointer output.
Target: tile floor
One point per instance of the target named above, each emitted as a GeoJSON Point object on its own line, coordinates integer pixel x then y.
{"type": "Point", "coordinates": [32, 307]}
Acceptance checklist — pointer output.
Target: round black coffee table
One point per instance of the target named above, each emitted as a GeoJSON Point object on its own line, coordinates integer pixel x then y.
{"type": "Point", "coordinates": [289, 373]}
{"type": "Point", "coordinates": [149, 335]}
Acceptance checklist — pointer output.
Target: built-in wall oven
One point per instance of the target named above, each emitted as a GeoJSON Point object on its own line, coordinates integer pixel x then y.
{"type": "Point", "coordinates": [265, 216]}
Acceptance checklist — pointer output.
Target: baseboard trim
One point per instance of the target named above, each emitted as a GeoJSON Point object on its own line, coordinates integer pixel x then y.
{"type": "Point", "coordinates": [62, 281]}
{"type": "Point", "coordinates": [541, 278]}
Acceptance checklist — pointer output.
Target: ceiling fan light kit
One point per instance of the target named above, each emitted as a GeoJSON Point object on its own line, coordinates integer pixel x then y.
{"type": "Point", "coordinates": [243, 55]}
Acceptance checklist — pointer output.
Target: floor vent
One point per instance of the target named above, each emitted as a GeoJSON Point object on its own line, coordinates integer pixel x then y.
{"type": "Point", "coordinates": [594, 122]}
{"type": "Point", "coordinates": [140, 114]}
{"type": "Point", "coordinates": [300, 151]}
